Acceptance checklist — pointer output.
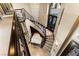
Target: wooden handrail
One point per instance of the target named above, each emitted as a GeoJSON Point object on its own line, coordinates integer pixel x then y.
{"type": "Point", "coordinates": [17, 36]}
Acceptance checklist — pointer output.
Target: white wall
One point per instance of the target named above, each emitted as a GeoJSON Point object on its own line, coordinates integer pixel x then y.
{"type": "Point", "coordinates": [35, 10]}
{"type": "Point", "coordinates": [32, 8]}
{"type": "Point", "coordinates": [43, 13]}
{"type": "Point", "coordinates": [5, 34]}
{"type": "Point", "coordinates": [22, 5]}
{"type": "Point", "coordinates": [71, 12]}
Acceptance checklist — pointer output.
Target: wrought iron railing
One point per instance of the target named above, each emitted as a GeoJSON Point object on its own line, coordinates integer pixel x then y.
{"type": "Point", "coordinates": [18, 45]}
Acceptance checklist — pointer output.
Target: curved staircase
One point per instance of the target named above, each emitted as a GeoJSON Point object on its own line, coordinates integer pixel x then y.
{"type": "Point", "coordinates": [48, 35]}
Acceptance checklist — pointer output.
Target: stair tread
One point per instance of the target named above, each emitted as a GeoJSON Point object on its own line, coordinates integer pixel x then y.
{"type": "Point", "coordinates": [46, 48]}
{"type": "Point", "coordinates": [49, 42]}
{"type": "Point", "coordinates": [49, 46]}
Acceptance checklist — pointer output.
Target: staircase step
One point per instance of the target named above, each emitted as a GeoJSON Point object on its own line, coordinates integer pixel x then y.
{"type": "Point", "coordinates": [49, 46]}
{"type": "Point", "coordinates": [49, 35]}
{"type": "Point", "coordinates": [49, 38]}
{"type": "Point", "coordinates": [49, 42]}
{"type": "Point", "coordinates": [46, 48]}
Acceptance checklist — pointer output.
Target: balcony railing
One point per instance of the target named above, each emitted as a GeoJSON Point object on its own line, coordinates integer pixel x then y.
{"type": "Point", "coordinates": [18, 45]}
